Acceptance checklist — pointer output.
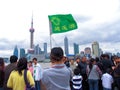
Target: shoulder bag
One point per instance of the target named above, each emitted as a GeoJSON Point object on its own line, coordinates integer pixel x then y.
{"type": "Point", "coordinates": [28, 87]}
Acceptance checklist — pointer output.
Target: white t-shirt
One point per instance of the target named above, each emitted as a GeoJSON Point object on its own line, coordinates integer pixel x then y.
{"type": "Point", "coordinates": [37, 72]}
{"type": "Point", "coordinates": [107, 81]}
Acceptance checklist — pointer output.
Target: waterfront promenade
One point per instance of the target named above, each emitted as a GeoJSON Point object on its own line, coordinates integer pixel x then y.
{"type": "Point", "coordinates": [44, 65]}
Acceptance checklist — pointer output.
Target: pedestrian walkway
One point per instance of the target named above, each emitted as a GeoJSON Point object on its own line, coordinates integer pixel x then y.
{"type": "Point", "coordinates": [44, 65]}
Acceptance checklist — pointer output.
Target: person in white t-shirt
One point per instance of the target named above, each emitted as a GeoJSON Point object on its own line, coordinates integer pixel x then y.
{"type": "Point", "coordinates": [37, 73]}
{"type": "Point", "coordinates": [107, 80]}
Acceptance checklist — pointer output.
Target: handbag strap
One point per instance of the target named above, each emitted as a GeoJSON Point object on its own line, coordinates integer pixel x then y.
{"type": "Point", "coordinates": [25, 78]}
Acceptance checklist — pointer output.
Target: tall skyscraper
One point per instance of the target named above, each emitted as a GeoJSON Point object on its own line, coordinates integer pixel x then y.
{"type": "Point", "coordinates": [37, 50]}
{"type": "Point", "coordinates": [66, 47]}
{"type": "Point", "coordinates": [95, 49]}
{"type": "Point", "coordinates": [15, 51]}
{"type": "Point", "coordinates": [87, 52]}
{"type": "Point", "coordinates": [45, 49]}
{"type": "Point", "coordinates": [31, 35]}
{"type": "Point", "coordinates": [76, 49]}
{"type": "Point", "coordinates": [22, 52]}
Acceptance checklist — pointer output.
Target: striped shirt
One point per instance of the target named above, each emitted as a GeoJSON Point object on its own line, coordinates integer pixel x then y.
{"type": "Point", "coordinates": [77, 82]}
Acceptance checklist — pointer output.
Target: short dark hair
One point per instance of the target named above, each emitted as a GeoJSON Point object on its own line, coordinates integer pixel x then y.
{"type": "Point", "coordinates": [34, 59]}
{"type": "Point", "coordinates": [109, 70]}
{"type": "Point", "coordinates": [56, 54]}
{"type": "Point", "coordinates": [76, 71]}
{"type": "Point", "coordinates": [13, 59]}
{"type": "Point", "coordinates": [30, 62]}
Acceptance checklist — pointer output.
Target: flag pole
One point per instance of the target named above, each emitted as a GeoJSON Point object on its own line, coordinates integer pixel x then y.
{"type": "Point", "coordinates": [50, 42]}
{"type": "Point", "coordinates": [50, 35]}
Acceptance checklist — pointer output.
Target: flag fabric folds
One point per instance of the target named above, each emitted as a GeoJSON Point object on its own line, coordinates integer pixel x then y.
{"type": "Point", "coordinates": [62, 23]}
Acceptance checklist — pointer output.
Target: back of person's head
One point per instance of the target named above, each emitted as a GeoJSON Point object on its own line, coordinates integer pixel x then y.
{"type": "Point", "coordinates": [102, 56]}
{"type": "Point", "coordinates": [107, 56]}
{"type": "Point", "coordinates": [76, 71]}
{"type": "Point", "coordinates": [21, 65]}
{"type": "Point", "coordinates": [109, 70]}
{"type": "Point", "coordinates": [97, 59]}
{"type": "Point", "coordinates": [1, 63]}
{"type": "Point", "coordinates": [56, 54]}
{"type": "Point", "coordinates": [13, 59]}
{"type": "Point", "coordinates": [91, 62]}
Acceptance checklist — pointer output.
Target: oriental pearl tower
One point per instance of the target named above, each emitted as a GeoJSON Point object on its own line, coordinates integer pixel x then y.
{"type": "Point", "coordinates": [31, 50]}
{"type": "Point", "coordinates": [31, 35]}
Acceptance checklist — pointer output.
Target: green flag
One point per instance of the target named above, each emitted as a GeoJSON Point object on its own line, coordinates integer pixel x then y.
{"type": "Point", "coordinates": [62, 23]}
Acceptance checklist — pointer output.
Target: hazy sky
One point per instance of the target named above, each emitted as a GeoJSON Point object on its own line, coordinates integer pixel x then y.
{"type": "Point", "coordinates": [98, 20]}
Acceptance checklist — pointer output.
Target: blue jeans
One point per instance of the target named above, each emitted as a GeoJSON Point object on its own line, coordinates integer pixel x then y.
{"type": "Point", "coordinates": [37, 85]}
{"type": "Point", "coordinates": [1, 88]}
{"type": "Point", "coordinates": [106, 89]}
{"type": "Point", "coordinates": [77, 89]}
{"type": "Point", "coordinates": [93, 84]}
{"type": "Point", "coordinates": [118, 82]}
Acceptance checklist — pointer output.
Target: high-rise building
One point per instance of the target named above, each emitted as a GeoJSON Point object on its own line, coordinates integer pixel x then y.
{"type": "Point", "coordinates": [87, 52]}
{"type": "Point", "coordinates": [45, 49]}
{"type": "Point", "coordinates": [15, 51]}
{"type": "Point", "coordinates": [66, 47]}
{"type": "Point", "coordinates": [95, 49]}
{"type": "Point", "coordinates": [22, 52]}
{"type": "Point", "coordinates": [76, 49]}
{"type": "Point", "coordinates": [37, 50]}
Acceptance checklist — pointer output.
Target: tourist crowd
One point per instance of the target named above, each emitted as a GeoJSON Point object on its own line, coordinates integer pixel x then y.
{"type": "Point", "coordinates": [81, 73]}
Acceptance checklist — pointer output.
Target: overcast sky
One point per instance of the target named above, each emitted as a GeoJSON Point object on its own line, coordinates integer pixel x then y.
{"type": "Point", "coordinates": [98, 20]}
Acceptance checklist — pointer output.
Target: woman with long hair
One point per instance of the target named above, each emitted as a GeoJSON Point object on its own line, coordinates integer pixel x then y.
{"type": "Point", "coordinates": [94, 75]}
{"type": "Point", "coordinates": [16, 80]}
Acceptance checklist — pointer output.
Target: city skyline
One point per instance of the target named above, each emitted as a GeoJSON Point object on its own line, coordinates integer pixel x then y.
{"type": "Point", "coordinates": [97, 21]}
{"type": "Point", "coordinates": [94, 50]}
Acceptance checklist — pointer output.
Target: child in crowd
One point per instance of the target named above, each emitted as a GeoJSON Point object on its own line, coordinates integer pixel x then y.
{"type": "Point", "coordinates": [30, 67]}
{"type": "Point", "coordinates": [77, 80]}
{"type": "Point", "coordinates": [107, 80]}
